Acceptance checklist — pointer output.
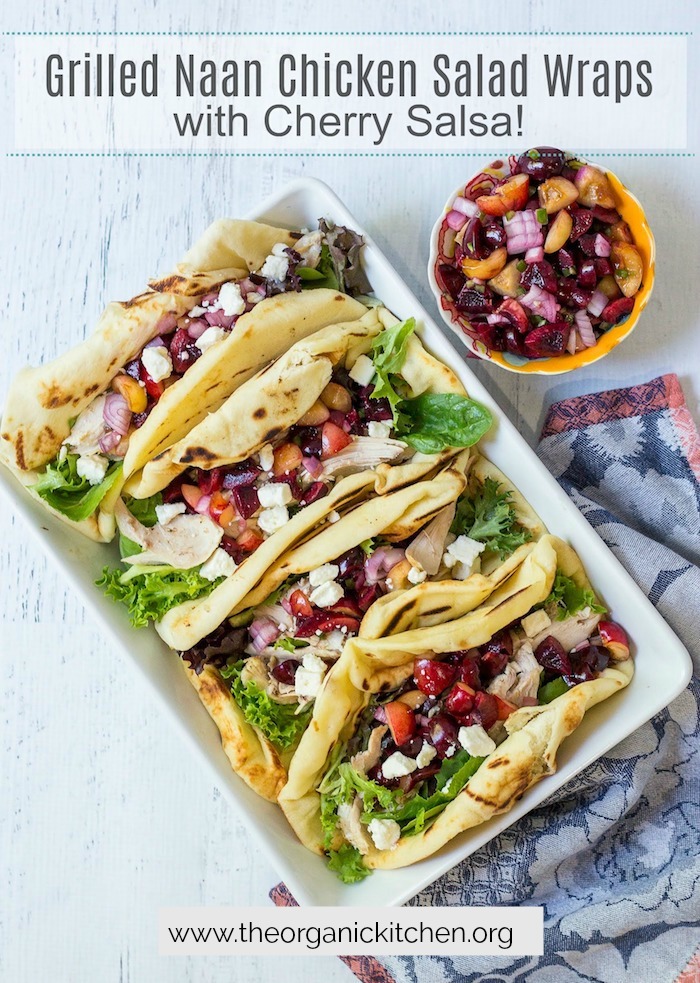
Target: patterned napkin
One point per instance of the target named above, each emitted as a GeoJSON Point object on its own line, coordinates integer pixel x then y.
{"type": "Point", "coordinates": [614, 855]}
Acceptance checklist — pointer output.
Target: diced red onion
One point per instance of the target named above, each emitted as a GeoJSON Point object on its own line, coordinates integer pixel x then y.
{"type": "Point", "coordinates": [523, 232]}
{"type": "Point", "coordinates": [482, 184]}
{"type": "Point", "coordinates": [456, 220]}
{"type": "Point", "coordinates": [541, 302]}
{"type": "Point", "coordinates": [534, 255]}
{"type": "Point", "coordinates": [156, 342]}
{"type": "Point", "coordinates": [381, 561]}
{"type": "Point", "coordinates": [247, 286]}
{"type": "Point", "coordinates": [109, 441]}
{"type": "Point", "coordinates": [313, 466]}
{"type": "Point", "coordinates": [285, 603]}
{"type": "Point", "coordinates": [380, 714]}
{"type": "Point", "coordinates": [465, 206]}
{"type": "Point", "coordinates": [202, 505]}
{"type": "Point", "coordinates": [208, 299]}
{"type": "Point", "coordinates": [116, 413]}
{"type": "Point", "coordinates": [263, 632]}
{"type": "Point", "coordinates": [167, 323]}
{"type": "Point", "coordinates": [597, 304]}
{"type": "Point", "coordinates": [571, 343]}
{"type": "Point", "coordinates": [197, 327]}
{"type": "Point", "coordinates": [601, 245]}
{"type": "Point", "coordinates": [497, 318]}
{"type": "Point", "coordinates": [217, 319]}
{"type": "Point", "coordinates": [585, 329]}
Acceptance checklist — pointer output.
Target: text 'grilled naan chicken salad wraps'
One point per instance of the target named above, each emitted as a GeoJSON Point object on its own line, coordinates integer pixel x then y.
{"type": "Point", "coordinates": [419, 736]}
{"type": "Point", "coordinates": [259, 672]}
{"type": "Point", "coordinates": [75, 428]}
{"type": "Point", "coordinates": [355, 410]}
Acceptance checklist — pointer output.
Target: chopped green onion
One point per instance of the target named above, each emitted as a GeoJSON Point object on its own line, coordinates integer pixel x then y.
{"type": "Point", "coordinates": [541, 215]}
{"type": "Point", "coordinates": [622, 274]}
{"type": "Point", "coordinates": [509, 215]}
{"type": "Point", "coordinates": [534, 154]}
{"type": "Point", "coordinates": [521, 266]}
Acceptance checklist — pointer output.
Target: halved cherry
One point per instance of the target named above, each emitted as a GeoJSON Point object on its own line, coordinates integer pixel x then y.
{"type": "Point", "coordinates": [559, 232]}
{"type": "Point", "coordinates": [433, 677]}
{"type": "Point", "coordinates": [594, 187]}
{"type": "Point", "coordinates": [460, 700]}
{"type": "Point", "coordinates": [401, 721]}
{"type": "Point", "coordinates": [333, 439]}
{"type": "Point", "coordinates": [300, 604]}
{"type": "Point", "coordinates": [614, 638]}
{"type": "Point", "coordinates": [484, 269]}
{"type": "Point", "coordinates": [510, 196]}
{"type": "Point", "coordinates": [620, 232]}
{"type": "Point", "coordinates": [515, 312]}
{"type": "Point", "coordinates": [556, 193]}
{"type": "Point", "coordinates": [628, 267]}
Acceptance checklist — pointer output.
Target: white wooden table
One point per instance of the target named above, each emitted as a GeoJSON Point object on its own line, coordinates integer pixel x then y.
{"type": "Point", "coordinates": [104, 817]}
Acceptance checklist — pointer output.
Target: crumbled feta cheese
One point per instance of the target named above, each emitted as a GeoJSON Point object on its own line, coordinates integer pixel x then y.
{"type": "Point", "coordinates": [375, 428]}
{"type": "Point", "coordinates": [416, 576]}
{"type": "Point", "coordinates": [275, 267]}
{"type": "Point", "coordinates": [210, 337]}
{"type": "Point", "coordinates": [325, 595]}
{"type": "Point", "coordinates": [333, 516]}
{"type": "Point", "coordinates": [336, 639]}
{"type": "Point", "coordinates": [270, 520]}
{"type": "Point", "coordinates": [275, 493]}
{"type": "Point", "coordinates": [93, 467]}
{"type": "Point", "coordinates": [231, 299]}
{"type": "Point", "coordinates": [536, 622]}
{"type": "Point", "coordinates": [254, 297]}
{"type": "Point", "coordinates": [362, 371]}
{"type": "Point", "coordinates": [476, 741]}
{"type": "Point", "coordinates": [450, 751]}
{"type": "Point", "coordinates": [164, 513]}
{"type": "Point", "coordinates": [279, 249]}
{"type": "Point", "coordinates": [461, 556]}
{"type": "Point", "coordinates": [197, 311]}
{"type": "Point", "coordinates": [322, 574]}
{"type": "Point", "coordinates": [266, 456]}
{"type": "Point", "coordinates": [385, 833]}
{"type": "Point", "coordinates": [157, 362]}
{"type": "Point", "coordinates": [219, 564]}
{"type": "Point", "coordinates": [309, 676]}
{"type": "Point", "coordinates": [397, 765]}
{"type": "Point", "coordinates": [425, 755]}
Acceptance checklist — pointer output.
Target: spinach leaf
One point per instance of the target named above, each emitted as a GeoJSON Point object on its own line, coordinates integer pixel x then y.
{"type": "Point", "coordinates": [434, 421]}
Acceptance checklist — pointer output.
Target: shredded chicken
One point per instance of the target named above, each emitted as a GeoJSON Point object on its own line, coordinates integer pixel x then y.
{"type": "Point", "coordinates": [520, 679]}
{"type": "Point", "coordinates": [309, 248]}
{"type": "Point", "coordinates": [361, 453]}
{"type": "Point", "coordinates": [364, 761]}
{"type": "Point", "coordinates": [185, 542]}
{"type": "Point", "coordinates": [257, 671]}
{"type": "Point", "coordinates": [87, 429]}
{"type": "Point", "coordinates": [427, 548]}
{"type": "Point", "coordinates": [570, 632]}
{"type": "Point", "coordinates": [352, 828]}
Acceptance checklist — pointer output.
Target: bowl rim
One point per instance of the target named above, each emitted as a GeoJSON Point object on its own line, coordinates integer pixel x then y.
{"type": "Point", "coordinates": [561, 364]}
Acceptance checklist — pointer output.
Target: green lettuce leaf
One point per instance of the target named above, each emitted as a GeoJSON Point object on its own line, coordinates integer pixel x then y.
{"type": "Point", "coordinates": [324, 275]}
{"type": "Point", "coordinates": [489, 518]}
{"type": "Point", "coordinates": [568, 598]}
{"type": "Point", "coordinates": [419, 810]}
{"type": "Point", "coordinates": [388, 355]}
{"type": "Point", "coordinates": [278, 721]}
{"type": "Point", "coordinates": [348, 864]}
{"type": "Point", "coordinates": [144, 509]}
{"type": "Point", "coordinates": [290, 644]}
{"type": "Point", "coordinates": [150, 592]}
{"type": "Point", "coordinates": [550, 691]}
{"type": "Point", "coordinates": [63, 489]}
{"type": "Point", "coordinates": [434, 421]}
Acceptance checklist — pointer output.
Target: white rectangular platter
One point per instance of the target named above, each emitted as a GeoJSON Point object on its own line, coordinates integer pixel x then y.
{"type": "Point", "coordinates": [663, 665]}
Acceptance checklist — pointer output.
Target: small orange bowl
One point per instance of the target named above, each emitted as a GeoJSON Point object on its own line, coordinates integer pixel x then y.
{"type": "Point", "coordinates": [630, 210]}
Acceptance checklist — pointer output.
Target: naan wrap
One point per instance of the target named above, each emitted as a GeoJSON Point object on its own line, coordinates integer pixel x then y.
{"type": "Point", "coordinates": [59, 408]}
{"type": "Point", "coordinates": [410, 811]}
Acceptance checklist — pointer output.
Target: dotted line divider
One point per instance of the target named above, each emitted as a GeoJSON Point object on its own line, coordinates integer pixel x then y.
{"type": "Point", "coordinates": [476, 152]}
{"type": "Point", "coordinates": [480, 34]}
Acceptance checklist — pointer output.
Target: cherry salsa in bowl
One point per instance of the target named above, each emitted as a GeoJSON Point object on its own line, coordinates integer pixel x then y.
{"type": "Point", "coordinates": [536, 262]}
